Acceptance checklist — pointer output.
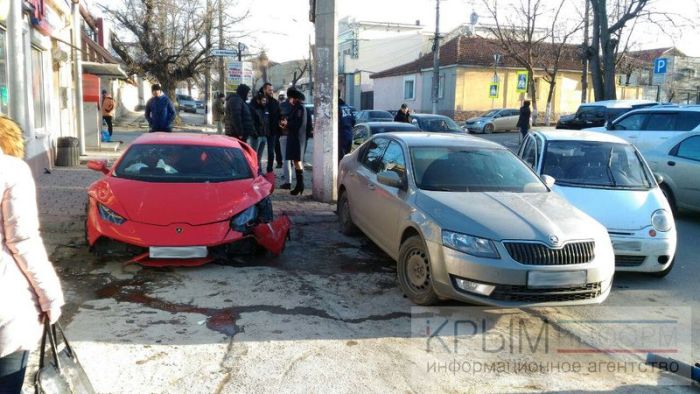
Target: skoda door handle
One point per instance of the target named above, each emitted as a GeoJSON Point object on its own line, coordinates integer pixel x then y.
{"type": "Point", "coordinates": [671, 163]}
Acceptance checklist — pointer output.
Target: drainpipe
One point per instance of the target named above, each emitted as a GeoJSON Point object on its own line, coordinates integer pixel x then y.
{"type": "Point", "coordinates": [15, 61]}
{"type": "Point", "coordinates": [78, 75]}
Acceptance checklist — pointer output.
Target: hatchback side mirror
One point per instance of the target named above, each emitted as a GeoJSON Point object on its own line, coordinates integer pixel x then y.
{"type": "Point", "coordinates": [548, 180]}
{"type": "Point", "coordinates": [391, 179]}
{"type": "Point", "coordinates": [609, 126]}
{"type": "Point", "coordinates": [659, 178]}
{"type": "Point", "coordinates": [98, 165]}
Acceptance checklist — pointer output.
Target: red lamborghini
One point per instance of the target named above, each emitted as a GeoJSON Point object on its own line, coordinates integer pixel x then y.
{"type": "Point", "coordinates": [183, 199]}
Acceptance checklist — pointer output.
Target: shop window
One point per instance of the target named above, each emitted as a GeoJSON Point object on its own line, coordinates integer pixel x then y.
{"type": "Point", "coordinates": [38, 89]}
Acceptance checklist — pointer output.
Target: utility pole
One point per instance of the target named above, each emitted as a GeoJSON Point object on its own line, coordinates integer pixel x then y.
{"type": "Point", "coordinates": [325, 159]}
{"type": "Point", "coordinates": [584, 73]}
{"type": "Point", "coordinates": [207, 73]}
{"type": "Point", "coordinates": [311, 74]}
{"type": "Point", "coordinates": [222, 72]}
{"type": "Point", "coordinates": [436, 57]}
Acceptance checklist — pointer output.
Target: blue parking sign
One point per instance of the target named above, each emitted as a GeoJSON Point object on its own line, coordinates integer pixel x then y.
{"type": "Point", "coordinates": [660, 65]}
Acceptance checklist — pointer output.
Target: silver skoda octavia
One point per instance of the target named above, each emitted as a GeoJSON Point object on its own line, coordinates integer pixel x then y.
{"type": "Point", "coordinates": [466, 219]}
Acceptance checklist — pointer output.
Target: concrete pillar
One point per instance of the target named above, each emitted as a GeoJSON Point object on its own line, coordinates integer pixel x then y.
{"type": "Point", "coordinates": [17, 86]}
{"type": "Point", "coordinates": [325, 159]}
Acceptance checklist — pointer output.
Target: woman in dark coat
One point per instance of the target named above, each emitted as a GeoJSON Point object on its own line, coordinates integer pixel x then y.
{"type": "Point", "coordinates": [296, 137]}
{"type": "Point", "coordinates": [524, 118]}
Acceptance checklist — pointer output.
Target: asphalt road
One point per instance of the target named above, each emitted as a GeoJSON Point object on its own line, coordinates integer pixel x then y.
{"type": "Point", "coordinates": [327, 316]}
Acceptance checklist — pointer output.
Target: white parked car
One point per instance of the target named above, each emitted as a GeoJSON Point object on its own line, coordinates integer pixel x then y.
{"type": "Point", "coordinates": [650, 127]}
{"type": "Point", "coordinates": [607, 178]}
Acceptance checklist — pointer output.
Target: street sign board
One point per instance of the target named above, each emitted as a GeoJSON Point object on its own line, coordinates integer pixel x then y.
{"type": "Point", "coordinates": [238, 73]}
{"type": "Point", "coordinates": [493, 90]}
{"type": "Point", "coordinates": [224, 52]}
{"type": "Point", "coordinates": [660, 71]}
{"type": "Point", "coordinates": [660, 65]}
{"type": "Point", "coordinates": [521, 86]}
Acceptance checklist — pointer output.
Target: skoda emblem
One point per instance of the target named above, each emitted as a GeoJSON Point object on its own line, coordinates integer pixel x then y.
{"type": "Point", "coordinates": [179, 230]}
{"type": "Point", "coordinates": [554, 240]}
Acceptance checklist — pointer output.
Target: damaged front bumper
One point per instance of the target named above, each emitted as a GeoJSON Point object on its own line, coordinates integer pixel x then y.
{"type": "Point", "coordinates": [188, 245]}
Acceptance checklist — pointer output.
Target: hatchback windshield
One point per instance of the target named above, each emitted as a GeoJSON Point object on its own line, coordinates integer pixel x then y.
{"type": "Point", "coordinates": [490, 113]}
{"type": "Point", "coordinates": [472, 170]}
{"type": "Point", "coordinates": [595, 164]}
{"type": "Point", "coordinates": [438, 124]}
{"type": "Point", "coordinates": [183, 163]}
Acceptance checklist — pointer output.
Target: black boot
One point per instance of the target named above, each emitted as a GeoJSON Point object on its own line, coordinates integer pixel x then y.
{"type": "Point", "coordinates": [299, 188]}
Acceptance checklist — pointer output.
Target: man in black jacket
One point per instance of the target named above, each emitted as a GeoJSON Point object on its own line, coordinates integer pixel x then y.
{"type": "Point", "coordinates": [404, 115]}
{"type": "Point", "coordinates": [239, 120]}
{"type": "Point", "coordinates": [273, 144]}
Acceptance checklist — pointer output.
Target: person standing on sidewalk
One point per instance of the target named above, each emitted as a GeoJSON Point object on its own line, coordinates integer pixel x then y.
{"type": "Point", "coordinates": [524, 118]}
{"type": "Point", "coordinates": [297, 123]}
{"type": "Point", "coordinates": [239, 121]}
{"type": "Point", "coordinates": [160, 111]}
{"type": "Point", "coordinates": [108, 108]}
{"type": "Point", "coordinates": [29, 287]}
{"type": "Point", "coordinates": [219, 113]}
{"type": "Point", "coordinates": [345, 124]}
{"type": "Point", "coordinates": [261, 123]}
{"type": "Point", "coordinates": [273, 141]}
{"type": "Point", "coordinates": [404, 114]}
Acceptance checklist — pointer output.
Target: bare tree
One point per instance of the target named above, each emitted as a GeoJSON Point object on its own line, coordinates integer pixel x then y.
{"type": "Point", "coordinates": [614, 21]}
{"type": "Point", "coordinates": [301, 67]}
{"type": "Point", "coordinates": [553, 54]}
{"type": "Point", "coordinates": [166, 40]}
{"type": "Point", "coordinates": [519, 36]}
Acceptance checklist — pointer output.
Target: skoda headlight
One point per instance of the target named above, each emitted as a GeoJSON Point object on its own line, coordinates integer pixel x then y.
{"type": "Point", "coordinates": [661, 220]}
{"type": "Point", "coordinates": [109, 215]}
{"type": "Point", "coordinates": [240, 221]}
{"type": "Point", "coordinates": [474, 246]}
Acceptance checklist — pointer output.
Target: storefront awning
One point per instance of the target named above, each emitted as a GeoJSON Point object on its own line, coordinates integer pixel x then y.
{"type": "Point", "coordinates": [104, 70]}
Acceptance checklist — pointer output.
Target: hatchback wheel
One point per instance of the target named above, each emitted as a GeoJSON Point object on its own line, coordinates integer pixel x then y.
{"type": "Point", "coordinates": [347, 226]}
{"type": "Point", "coordinates": [415, 273]}
{"type": "Point", "coordinates": [488, 129]}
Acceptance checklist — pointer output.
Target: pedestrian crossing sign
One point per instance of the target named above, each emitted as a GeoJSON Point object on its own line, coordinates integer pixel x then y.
{"type": "Point", "coordinates": [521, 86]}
{"type": "Point", "coordinates": [493, 90]}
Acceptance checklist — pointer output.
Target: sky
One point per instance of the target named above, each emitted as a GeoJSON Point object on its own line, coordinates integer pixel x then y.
{"type": "Point", "coordinates": [282, 27]}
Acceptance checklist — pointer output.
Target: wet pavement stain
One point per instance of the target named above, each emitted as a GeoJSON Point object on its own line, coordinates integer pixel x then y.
{"type": "Point", "coordinates": [222, 320]}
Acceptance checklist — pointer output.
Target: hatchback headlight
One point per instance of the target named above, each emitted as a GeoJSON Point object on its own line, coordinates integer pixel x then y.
{"type": "Point", "coordinates": [468, 244]}
{"type": "Point", "coordinates": [240, 221]}
{"type": "Point", "coordinates": [661, 220]}
{"type": "Point", "coordinates": [109, 215]}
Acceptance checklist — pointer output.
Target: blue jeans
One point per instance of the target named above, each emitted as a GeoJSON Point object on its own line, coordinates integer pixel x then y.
{"type": "Point", "coordinates": [12, 369]}
{"type": "Point", "coordinates": [258, 144]}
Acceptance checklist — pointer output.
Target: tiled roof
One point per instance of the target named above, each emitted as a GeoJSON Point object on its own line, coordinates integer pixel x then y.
{"type": "Point", "coordinates": [479, 51]}
{"type": "Point", "coordinates": [648, 55]}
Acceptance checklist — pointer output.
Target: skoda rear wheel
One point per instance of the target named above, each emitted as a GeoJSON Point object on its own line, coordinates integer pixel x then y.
{"type": "Point", "coordinates": [415, 272]}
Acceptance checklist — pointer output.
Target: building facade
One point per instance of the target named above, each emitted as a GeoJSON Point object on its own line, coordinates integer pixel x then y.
{"type": "Point", "coordinates": [366, 47]}
{"type": "Point", "coordinates": [37, 75]}
{"type": "Point", "coordinates": [680, 83]}
{"type": "Point", "coordinates": [467, 72]}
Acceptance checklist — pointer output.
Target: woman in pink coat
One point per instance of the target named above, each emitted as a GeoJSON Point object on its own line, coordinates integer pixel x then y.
{"type": "Point", "coordinates": [29, 287]}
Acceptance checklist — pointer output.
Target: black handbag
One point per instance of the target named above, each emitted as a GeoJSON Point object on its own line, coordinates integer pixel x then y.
{"type": "Point", "coordinates": [62, 374]}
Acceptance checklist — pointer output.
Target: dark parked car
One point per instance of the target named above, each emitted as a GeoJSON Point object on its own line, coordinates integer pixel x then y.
{"type": "Point", "coordinates": [362, 131]}
{"type": "Point", "coordinates": [373, 116]}
{"type": "Point", "coordinates": [435, 123]}
{"type": "Point", "coordinates": [597, 114]}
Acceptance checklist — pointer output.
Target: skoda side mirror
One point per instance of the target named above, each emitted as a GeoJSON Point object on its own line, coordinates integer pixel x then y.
{"type": "Point", "coordinates": [98, 165]}
{"type": "Point", "coordinates": [391, 179]}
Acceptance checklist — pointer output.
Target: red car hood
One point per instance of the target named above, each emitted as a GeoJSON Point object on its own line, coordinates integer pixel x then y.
{"type": "Point", "coordinates": [169, 203]}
